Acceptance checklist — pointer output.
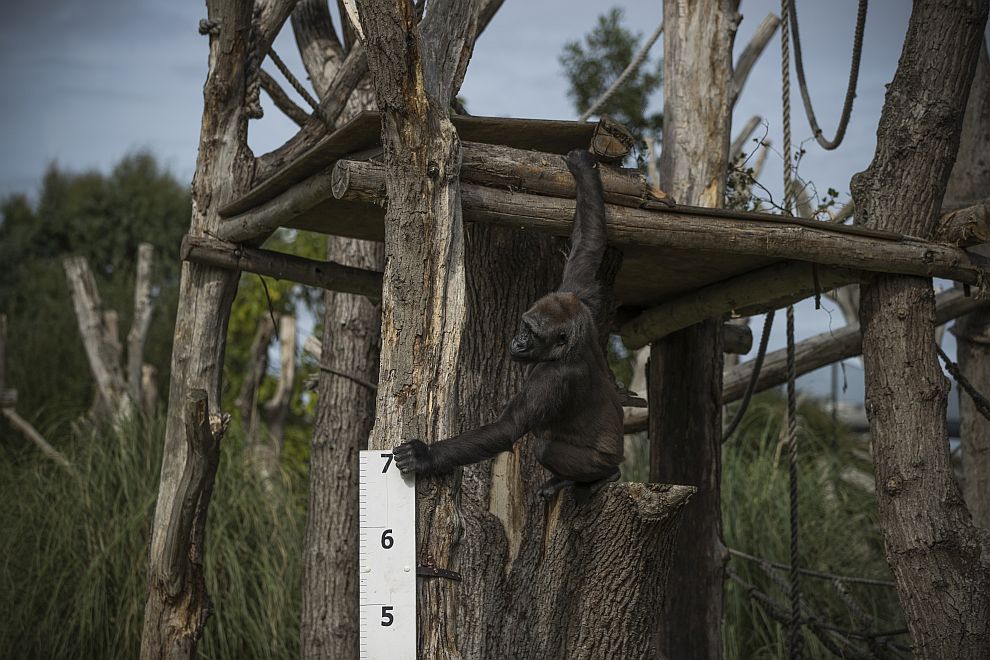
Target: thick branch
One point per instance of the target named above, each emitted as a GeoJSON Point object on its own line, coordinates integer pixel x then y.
{"type": "Point", "coordinates": [752, 52]}
{"type": "Point", "coordinates": [181, 560]}
{"type": "Point", "coordinates": [141, 322]}
{"type": "Point", "coordinates": [318, 43]}
{"type": "Point", "coordinates": [103, 361]}
{"type": "Point", "coordinates": [322, 274]}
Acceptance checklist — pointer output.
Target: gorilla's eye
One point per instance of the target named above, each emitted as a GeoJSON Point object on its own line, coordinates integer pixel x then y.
{"type": "Point", "coordinates": [562, 339]}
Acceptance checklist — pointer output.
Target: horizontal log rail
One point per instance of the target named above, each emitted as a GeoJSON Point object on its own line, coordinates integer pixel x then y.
{"type": "Point", "coordinates": [323, 274]}
{"type": "Point", "coordinates": [814, 353]}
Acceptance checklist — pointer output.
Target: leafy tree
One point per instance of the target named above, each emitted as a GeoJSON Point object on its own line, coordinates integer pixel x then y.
{"type": "Point", "coordinates": [594, 64]}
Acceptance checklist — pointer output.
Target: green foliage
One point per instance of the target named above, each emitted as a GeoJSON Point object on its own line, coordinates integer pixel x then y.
{"type": "Point", "coordinates": [838, 527]}
{"type": "Point", "coordinates": [593, 65]}
{"type": "Point", "coordinates": [73, 553]}
{"type": "Point", "coordinates": [104, 218]}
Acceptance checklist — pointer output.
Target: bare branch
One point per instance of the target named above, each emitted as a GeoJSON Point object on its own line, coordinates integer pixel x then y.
{"type": "Point", "coordinates": [743, 137]}
{"type": "Point", "coordinates": [39, 441]}
{"type": "Point", "coordinates": [141, 322]}
{"type": "Point", "coordinates": [752, 52]}
{"type": "Point", "coordinates": [318, 43]}
{"type": "Point", "coordinates": [86, 301]}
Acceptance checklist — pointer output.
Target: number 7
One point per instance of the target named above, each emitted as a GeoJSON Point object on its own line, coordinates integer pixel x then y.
{"type": "Point", "coordinates": [388, 461]}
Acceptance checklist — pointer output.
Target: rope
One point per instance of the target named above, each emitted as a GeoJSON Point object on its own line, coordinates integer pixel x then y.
{"type": "Point", "coordinates": [296, 85]}
{"type": "Point", "coordinates": [252, 71]}
{"type": "Point", "coordinates": [209, 26]}
{"type": "Point", "coordinates": [794, 640]}
{"type": "Point", "coordinates": [821, 575]}
{"type": "Point", "coordinates": [847, 105]}
{"type": "Point", "coordinates": [980, 401]}
{"type": "Point", "coordinates": [634, 64]}
{"type": "Point", "coordinates": [753, 378]}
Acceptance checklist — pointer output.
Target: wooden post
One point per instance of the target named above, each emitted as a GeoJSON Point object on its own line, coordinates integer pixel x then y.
{"type": "Point", "coordinates": [176, 607]}
{"type": "Point", "coordinates": [968, 183]}
{"type": "Point", "coordinates": [939, 559]}
{"type": "Point", "coordinates": [685, 369]}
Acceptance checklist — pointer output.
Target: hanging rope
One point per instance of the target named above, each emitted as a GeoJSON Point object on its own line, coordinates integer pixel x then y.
{"type": "Point", "coordinates": [296, 85]}
{"type": "Point", "coordinates": [755, 376]}
{"type": "Point", "coordinates": [637, 60]}
{"type": "Point", "coordinates": [794, 640]}
{"type": "Point", "coordinates": [847, 105]}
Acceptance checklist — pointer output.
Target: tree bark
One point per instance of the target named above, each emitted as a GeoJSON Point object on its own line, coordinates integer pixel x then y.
{"type": "Point", "coordinates": [939, 559]}
{"type": "Point", "coordinates": [416, 69]}
{"type": "Point", "coordinates": [177, 604]}
{"type": "Point", "coordinates": [685, 369]}
{"type": "Point", "coordinates": [970, 181]}
{"type": "Point", "coordinates": [344, 419]}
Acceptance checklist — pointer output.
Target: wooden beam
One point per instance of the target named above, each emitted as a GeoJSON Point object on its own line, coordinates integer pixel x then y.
{"type": "Point", "coordinates": [322, 274]}
{"type": "Point", "coordinates": [771, 287]}
{"type": "Point", "coordinates": [828, 347]}
{"type": "Point", "coordinates": [695, 228]}
{"type": "Point", "coordinates": [736, 339]}
{"type": "Point", "coordinates": [813, 353]}
{"type": "Point", "coordinates": [484, 164]}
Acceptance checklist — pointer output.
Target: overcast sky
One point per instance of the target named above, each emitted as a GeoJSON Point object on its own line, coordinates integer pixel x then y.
{"type": "Point", "coordinates": [87, 81]}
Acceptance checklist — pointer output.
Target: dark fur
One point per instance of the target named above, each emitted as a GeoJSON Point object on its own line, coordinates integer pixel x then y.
{"type": "Point", "coordinates": [569, 400]}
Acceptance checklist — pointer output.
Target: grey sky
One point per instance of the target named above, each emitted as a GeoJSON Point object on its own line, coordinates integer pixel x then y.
{"type": "Point", "coordinates": [87, 81]}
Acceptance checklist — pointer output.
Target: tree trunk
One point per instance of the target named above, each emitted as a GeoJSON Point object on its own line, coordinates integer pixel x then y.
{"type": "Point", "coordinates": [685, 369]}
{"type": "Point", "coordinates": [344, 419]}
{"type": "Point", "coordinates": [970, 183]}
{"type": "Point", "coordinates": [416, 69]}
{"type": "Point", "coordinates": [177, 604]}
{"type": "Point", "coordinates": [939, 560]}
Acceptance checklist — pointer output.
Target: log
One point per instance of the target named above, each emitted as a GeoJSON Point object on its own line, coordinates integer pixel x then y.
{"type": "Point", "coordinates": [736, 339]}
{"type": "Point", "coordinates": [141, 323]}
{"type": "Point", "coordinates": [322, 274]}
{"type": "Point", "coordinates": [695, 228]}
{"type": "Point", "coordinates": [484, 164]}
{"type": "Point", "coordinates": [966, 226]}
{"type": "Point", "coordinates": [771, 287]}
{"type": "Point", "coordinates": [828, 347]}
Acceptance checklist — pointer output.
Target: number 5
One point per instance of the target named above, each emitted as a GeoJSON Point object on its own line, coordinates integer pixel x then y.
{"type": "Point", "coordinates": [387, 617]}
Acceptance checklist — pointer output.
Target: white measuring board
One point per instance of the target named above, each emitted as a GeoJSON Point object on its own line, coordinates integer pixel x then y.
{"type": "Point", "coordinates": [387, 564]}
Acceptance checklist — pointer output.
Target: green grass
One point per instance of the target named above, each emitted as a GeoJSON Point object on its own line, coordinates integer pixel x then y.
{"type": "Point", "coordinates": [73, 553]}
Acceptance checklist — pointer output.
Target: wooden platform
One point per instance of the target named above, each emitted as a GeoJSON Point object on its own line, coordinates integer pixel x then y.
{"type": "Point", "coordinates": [679, 261]}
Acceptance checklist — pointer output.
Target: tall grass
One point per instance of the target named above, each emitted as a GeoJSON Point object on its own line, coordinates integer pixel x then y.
{"type": "Point", "coordinates": [73, 552]}
{"type": "Point", "coordinates": [838, 528]}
